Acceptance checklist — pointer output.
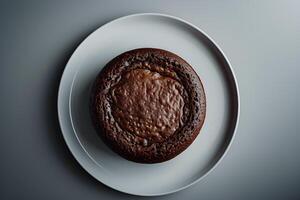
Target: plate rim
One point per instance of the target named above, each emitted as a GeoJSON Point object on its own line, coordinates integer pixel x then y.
{"type": "Point", "coordinates": [235, 87]}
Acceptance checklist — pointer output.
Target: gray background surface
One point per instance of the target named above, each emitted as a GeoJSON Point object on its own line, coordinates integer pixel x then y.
{"type": "Point", "coordinates": [260, 38]}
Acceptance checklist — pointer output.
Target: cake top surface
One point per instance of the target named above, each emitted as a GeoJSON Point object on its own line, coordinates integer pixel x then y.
{"type": "Point", "coordinates": [148, 104]}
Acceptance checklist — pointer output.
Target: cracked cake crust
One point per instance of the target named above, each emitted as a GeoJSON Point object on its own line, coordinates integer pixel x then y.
{"type": "Point", "coordinates": [148, 105]}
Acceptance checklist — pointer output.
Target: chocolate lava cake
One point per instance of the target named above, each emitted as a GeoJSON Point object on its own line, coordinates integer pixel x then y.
{"type": "Point", "coordinates": [148, 105]}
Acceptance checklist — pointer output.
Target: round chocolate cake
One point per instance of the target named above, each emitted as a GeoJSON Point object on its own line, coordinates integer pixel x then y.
{"type": "Point", "coordinates": [148, 105]}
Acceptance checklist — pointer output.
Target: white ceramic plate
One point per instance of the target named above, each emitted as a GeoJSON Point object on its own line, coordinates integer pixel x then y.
{"type": "Point", "coordinates": [158, 31]}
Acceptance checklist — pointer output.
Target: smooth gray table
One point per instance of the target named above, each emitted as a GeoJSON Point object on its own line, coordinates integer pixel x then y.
{"type": "Point", "coordinates": [261, 39]}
